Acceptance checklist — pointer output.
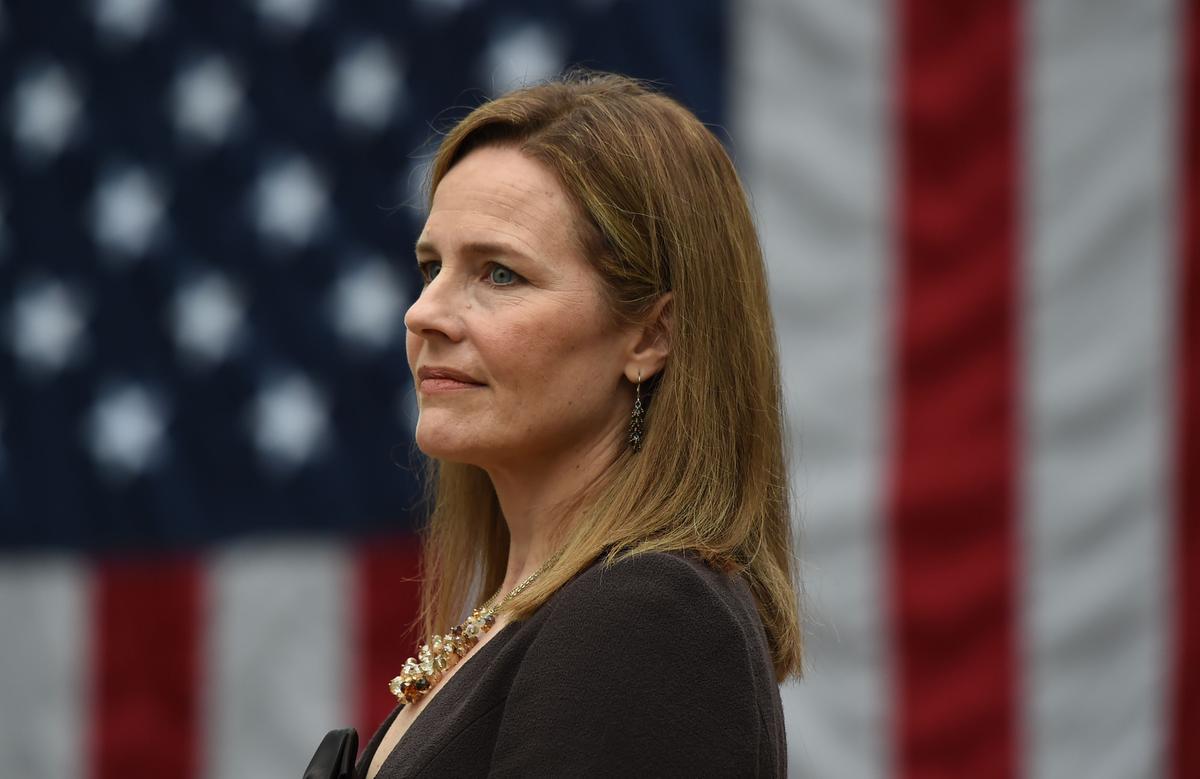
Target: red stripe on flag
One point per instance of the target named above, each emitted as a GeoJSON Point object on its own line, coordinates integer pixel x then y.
{"type": "Point", "coordinates": [1186, 719]}
{"type": "Point", "coordinates": [388, 602]}
{"type": "Point", "coordinates": [952, 525]}
{"type": "Point", "coordinates": [145, 713]}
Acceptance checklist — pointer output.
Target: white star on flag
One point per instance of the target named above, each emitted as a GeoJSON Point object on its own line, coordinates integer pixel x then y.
{"type": "Point", "coordinates": [412, 187]}
{"type": "Point", "coordinates": [46, 111]}
{"type": "Point", "coordinates": [127, 213]}
{"type": "Point", "coordinates": [288, 422]}
{"type": "Point", "coordinates": [287, 16]}
{"type": "Point", "coordinates": [206, 100]}
{"type": "Point", "coordinates": [47, 326]}
{"type": "Point", "coordinates": [206, 318]}
{"type": "Point", "coordinates": [367, 85]}
{"type": "Point", "coordinates": [125, 21]}
{"type": "Point", "coordinates": [366, 305]}
{"type": "Point", "coordinates": [289, 203]}
{"type": "Point", "coordinates": [522, 55]}
{"type": "Point", "coordinates": [125, 431]}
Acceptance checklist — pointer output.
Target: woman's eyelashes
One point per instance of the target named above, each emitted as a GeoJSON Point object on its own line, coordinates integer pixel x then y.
{"type": "Point", "coordinates": [493, 273]}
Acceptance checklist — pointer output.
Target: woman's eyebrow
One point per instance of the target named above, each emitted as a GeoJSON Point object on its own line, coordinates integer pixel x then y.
{"type": "Point", "coordinates": [475, 248]}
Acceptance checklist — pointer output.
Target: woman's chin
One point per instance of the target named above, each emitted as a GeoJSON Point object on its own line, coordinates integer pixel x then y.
{"type": "Point", "coordinates": [448, 447]}
{"type": "Point", "coordinates": [439, 449]}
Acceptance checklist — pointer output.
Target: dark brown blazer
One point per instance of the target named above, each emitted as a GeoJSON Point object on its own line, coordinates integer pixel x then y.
{"type": "Point", "coordinates": [657, 666]}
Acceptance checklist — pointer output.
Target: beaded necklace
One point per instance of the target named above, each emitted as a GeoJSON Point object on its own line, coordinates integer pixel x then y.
{"type": "Point", "coordinates": [422, 672]}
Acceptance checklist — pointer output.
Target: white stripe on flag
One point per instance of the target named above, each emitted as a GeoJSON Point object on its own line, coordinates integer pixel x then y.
{"type": "Point", "coordinates": [280, 647]}
{"type": "Point", "coordinates": [811, 123]}
{"type": "Point", "coordinates": [1096, 346]}
{"type": "Point", "coordinates": [44, 702]}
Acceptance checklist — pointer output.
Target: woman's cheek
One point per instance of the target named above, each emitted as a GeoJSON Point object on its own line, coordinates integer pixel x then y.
{"type": "Point", "coordinates": [513, 346]}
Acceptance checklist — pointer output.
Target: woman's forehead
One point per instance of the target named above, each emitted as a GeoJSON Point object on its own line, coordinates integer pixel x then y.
{"type": "Point", "coordinates": [502, 181]}
{"type": "Point", "coordinates": [499, 192]}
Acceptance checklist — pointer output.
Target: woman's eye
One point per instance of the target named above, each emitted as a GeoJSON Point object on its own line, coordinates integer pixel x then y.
{"type": "Point", "coordinates": [430, 270]}
{"type": "Point", "coordinates": [501, 276]}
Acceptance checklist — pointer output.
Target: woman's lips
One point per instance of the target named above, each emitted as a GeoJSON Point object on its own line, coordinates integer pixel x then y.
{"type": "Point", "coordinates": [432, 385]}
{"type": "Point", "coordinates": [437, 378]}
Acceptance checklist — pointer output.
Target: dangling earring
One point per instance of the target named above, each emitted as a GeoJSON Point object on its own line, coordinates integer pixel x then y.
{"type": "Point", "coordinates": [638, 421]}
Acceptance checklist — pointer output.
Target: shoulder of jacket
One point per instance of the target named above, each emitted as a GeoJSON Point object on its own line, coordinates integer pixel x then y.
{"type": "Point", "coordinates": [661, 579]}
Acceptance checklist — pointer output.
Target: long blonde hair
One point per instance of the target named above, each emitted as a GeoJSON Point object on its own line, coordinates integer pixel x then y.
{"type": "Point", "coordinates": [663, 210]}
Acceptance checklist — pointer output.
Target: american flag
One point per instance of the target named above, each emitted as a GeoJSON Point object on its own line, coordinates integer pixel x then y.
{"type": "Point", "coordinates": [980, 221]}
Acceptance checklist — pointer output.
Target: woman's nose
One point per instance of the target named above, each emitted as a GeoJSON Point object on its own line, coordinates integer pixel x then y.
{"type": "Point", "coordinates": [435, 312]}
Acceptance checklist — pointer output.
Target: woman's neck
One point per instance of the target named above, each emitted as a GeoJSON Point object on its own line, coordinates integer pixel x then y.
{"type": "Point", "coordinates": [534, 498]}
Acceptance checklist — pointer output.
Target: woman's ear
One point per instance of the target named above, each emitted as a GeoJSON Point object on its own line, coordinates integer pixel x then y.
{"type": "Point", "coordinates": [652, 340]}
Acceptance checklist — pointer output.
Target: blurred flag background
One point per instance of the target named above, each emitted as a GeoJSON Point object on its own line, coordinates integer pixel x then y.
{"type": "Point", "coordinates": [980, 219]}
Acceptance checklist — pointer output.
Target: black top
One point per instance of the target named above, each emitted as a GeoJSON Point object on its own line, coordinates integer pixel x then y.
{"type": "Point", "coordinates": [657, 666]}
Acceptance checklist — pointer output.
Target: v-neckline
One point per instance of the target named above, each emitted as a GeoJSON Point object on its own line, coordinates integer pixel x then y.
{"type": "Point", "coordinates": [397, 753]}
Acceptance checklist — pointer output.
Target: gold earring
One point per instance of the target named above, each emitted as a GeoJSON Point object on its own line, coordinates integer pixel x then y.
{"type": "Point", "coordinates": [637, 423]}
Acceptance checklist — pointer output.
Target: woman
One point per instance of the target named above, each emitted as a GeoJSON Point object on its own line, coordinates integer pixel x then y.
{"type": "Point", "coordinates": [599, 399]}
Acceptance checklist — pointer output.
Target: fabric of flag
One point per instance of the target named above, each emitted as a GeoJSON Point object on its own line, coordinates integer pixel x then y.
{"type": "Point", "coordinates": [980, 220]}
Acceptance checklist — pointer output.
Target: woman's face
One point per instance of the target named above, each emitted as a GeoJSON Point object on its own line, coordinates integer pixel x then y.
{"type": "Point", "coordinates": [515, 356]}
